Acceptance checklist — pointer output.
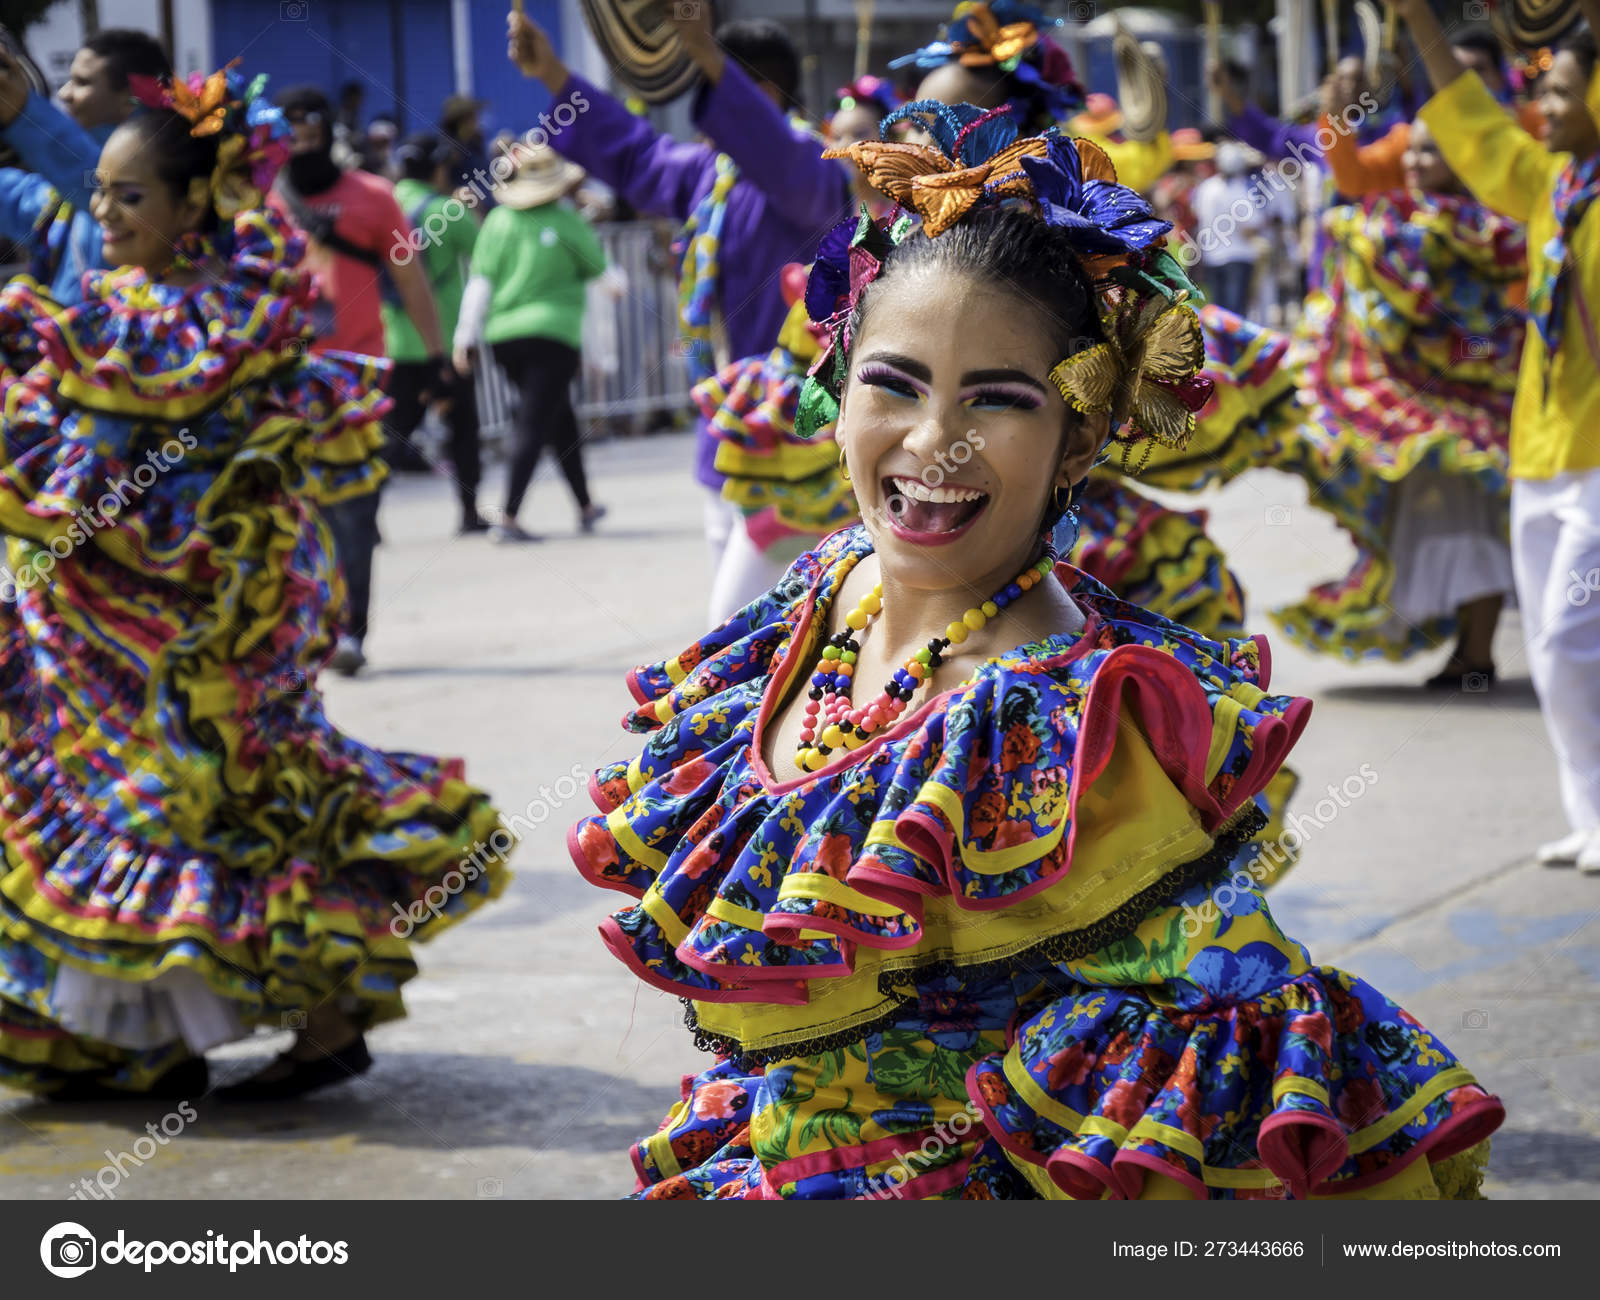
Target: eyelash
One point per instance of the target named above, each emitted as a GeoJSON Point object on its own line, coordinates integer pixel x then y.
{"type": "Point", "coordinates": [890, 380]}
{"type": "Point", "coordinates": [894, 382]}
{"type": "Point", "coordinates": [1006, 399]}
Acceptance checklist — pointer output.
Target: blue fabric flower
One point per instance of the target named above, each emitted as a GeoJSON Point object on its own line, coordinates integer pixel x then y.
{"type": "Point", "coordinates": [829, 280]}
{"type": "Point", "coordinates": [1100, 216]}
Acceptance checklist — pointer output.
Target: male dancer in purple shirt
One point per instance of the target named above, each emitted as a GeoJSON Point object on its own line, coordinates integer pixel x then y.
{"type": "Point", "coordinates": [784, 199]}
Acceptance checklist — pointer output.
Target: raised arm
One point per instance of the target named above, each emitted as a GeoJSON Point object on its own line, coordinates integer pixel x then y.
{"type": "Point", "coordinates": [1497, 160]}
{"type": "Point", "coordinates": [784, 164]}
{"type": "Point", "coordinates": [1368, 168]}
{"type": "Point", "coordinates": [1433, 46]}
{"type": "Point", "coordinates": [53, 145]}
{"type": "Point", "coordinates": [654, 172]}
{"type": "Point", "coordinates": [23, 198]}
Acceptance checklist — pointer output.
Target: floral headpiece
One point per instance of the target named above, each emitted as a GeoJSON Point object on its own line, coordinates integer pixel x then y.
{"type": "Point", "coordinates": [1145, 375]}
{"type": "Point", "coordinates": [1007, 35]}
{"type": "Point", "coordinates": [254, 134]}
{"type": "Point", "coordinates": [867, 90]}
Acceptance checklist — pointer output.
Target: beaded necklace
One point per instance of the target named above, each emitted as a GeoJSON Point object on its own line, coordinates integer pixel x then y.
{"type": "Point", "coordinates": [831, 723]}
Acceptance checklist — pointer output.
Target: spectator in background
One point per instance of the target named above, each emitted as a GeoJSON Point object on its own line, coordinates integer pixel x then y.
{"type": "Point", "coordinates": [44, 204]}
{"type": "Point", "coordinates": [347, 134]}
{"type": "Point", "coordinates": [358, 235]}
{"type": "Point", "coordinates": [95, 93]}
{"type": "Point", "coordinates": [461, 123]}
{"type": "Point", "coordinates": [1231, 225]}
{"type": "Point", "coordinates": [526, 299]}
{"type": "Point", "coordinates": [422, 190]}
{"type": "Point", "coordinates": [755, 197]}
{"type": "Point", "coordinates": [377, 148]}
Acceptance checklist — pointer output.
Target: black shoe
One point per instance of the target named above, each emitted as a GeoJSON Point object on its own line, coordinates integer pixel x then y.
{"type": "Point", "coordinates": [305, 1076]}
{"type": "Point", "coordinates": [590, 516]}
{"type": "Point", "coordinates": [1474, 681]}
{"type": "Point", "coordinates": [185, 1080]}
{"type": "Point", "coordinates": [472, 523]}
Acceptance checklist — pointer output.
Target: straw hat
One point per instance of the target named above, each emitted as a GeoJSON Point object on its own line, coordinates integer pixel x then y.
{"type": "Point", "coordinates": [542, 176]}
{"type": "Point", "coordinates": [642, 45]}
{"type": "Point", "coordinates": [1141, 86]}
{"type": "Point", "coordinates": [1100, 116]}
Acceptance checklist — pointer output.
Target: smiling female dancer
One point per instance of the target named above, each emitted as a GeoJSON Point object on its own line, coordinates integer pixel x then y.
{"type": "Point", "coordinates": [190, 849]}
{"type": "Point", "coordinates": [927, 836]}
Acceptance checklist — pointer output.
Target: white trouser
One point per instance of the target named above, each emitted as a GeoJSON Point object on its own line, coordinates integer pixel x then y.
{"type": "Point", "coordinates": [721, 516]}
{"type": "Point", "coordinates": [1555, 545]}
{"type": "Point", "coordinates": [747, 572]}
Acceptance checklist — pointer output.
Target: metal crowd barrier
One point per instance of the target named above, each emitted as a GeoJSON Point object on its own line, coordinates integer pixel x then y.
{"type": "Point", "coordinates": [649, 383]}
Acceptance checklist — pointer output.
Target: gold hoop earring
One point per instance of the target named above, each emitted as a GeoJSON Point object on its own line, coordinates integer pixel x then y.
{"type": "Point", "coordinates": [844, 467]}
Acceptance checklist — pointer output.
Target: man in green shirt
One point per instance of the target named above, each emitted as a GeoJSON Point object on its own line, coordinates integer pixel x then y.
{"type": "Point", "coordinates": [444, 231]}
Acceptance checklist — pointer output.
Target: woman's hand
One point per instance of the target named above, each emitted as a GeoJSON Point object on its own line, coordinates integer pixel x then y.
{"type": "Point", "coordinates": [462, 360]}
{"type": "Point", "coordinates": [529, 48]}
{"type": "Point", "coordinates": [691, 19]}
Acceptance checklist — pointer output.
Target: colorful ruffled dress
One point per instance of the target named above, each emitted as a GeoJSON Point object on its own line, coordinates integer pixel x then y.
{"type": "Point", "coordinates": [987, 954]}
{"type": "Point", "coordinates": [1405, 363]}
{"type": "Point", "coordinates": [785, 486]}
{"type": "Point", "coordinates": [190, 847]}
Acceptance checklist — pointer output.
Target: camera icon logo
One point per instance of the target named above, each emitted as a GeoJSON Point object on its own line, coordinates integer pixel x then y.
{"type": "Point", "coordinates": [1277, 516]}
{"type": "Point", "coordinates": [686, 11]}
{"type": "Point", "coordinates": [1475, 1019]}
{"type": "Point", "coordinates": [294, 1019]}
{"type": "Point", "coordinates": [294, 11]}
{"type": "Point", "coordinates": [1475, 683]}
{"type": "Point", "coordinates": [1081, 11]}
{"type": "Point", "coordinates": [68, 1250]}
{"type": "Point", "coordinates": [491, 1187]}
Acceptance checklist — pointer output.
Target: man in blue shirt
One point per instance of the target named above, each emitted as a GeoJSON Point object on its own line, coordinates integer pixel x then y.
{"type": "Point", "coordinates": [44, 204]}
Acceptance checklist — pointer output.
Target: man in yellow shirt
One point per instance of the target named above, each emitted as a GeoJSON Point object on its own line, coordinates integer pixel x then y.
{"type": "Point", "coordinates": [1555, 422]}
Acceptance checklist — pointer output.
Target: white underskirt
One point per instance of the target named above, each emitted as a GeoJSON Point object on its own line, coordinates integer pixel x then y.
{"type": "Point", "coordinates": [176, 1004]}
{"type": "Point", "coordinates": [1447, 545]}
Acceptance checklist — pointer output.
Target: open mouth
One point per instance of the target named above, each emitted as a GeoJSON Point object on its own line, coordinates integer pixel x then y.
{"type": "Point", "coordinates": [931, 514]}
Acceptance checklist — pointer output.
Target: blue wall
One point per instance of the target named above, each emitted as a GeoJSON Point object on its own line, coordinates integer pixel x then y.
{"type": "Point", "coordinates": [402, 51]}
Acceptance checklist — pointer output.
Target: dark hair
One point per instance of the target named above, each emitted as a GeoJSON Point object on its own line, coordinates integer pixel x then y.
{"type": "Point", "coordinates": [764, 48]}
{"type": "Point", "coordinates": [304, 99]}
{"type": "Point", "coordinates": [1481, 38]}
{"type": "Point", "coordinates": [129, 53]}
{"type": "Point", "coordinates": [1580, 44]}
{"type": "Point", "coordinates": [421, 155]}
{"type": "Point", "coordinates": [1015, 250]}
{"type": "Point", "coordinates": [308, 100]}
{"type": "Point", "coordinates": [177, 156]}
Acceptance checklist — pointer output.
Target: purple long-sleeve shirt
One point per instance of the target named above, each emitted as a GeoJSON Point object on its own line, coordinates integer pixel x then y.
{"type": "Point", "coordinates": [787, 196]}
{"type": "Point", "coordinates": [1277, 140]}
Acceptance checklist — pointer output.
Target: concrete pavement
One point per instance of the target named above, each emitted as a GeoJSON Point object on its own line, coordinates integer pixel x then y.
{"type": "Point", "coordinates": [531, 1058]}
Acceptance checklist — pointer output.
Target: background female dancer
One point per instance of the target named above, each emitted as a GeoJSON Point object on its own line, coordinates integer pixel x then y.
{"type": "Point", "coordinates": [191, 850]}
{"type": "Point", "coordinates": [1404, 363]}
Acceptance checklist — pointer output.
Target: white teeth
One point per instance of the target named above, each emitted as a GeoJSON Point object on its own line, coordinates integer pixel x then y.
{"type": "Point", "coordinates": [919, 491]}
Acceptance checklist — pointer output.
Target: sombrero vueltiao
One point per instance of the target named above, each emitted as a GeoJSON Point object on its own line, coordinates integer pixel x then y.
{"type": "Point", "coordinates": [1141, 87]}
{"type": "Point", "coordinates": [1531, 24]}
{"type": "Point", "coordinates": [642, 46]}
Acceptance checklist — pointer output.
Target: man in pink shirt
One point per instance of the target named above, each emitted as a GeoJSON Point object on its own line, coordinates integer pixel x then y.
{"type": "Point", "coordinates": [358, 236]}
